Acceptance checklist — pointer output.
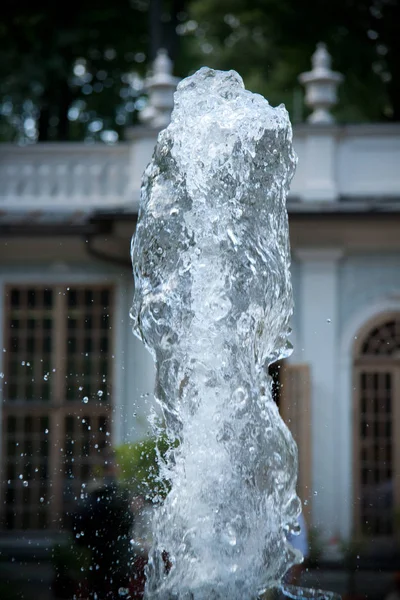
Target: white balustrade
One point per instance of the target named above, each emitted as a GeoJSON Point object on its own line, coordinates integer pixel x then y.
{"type": "Point", "coordinates": [351, 162]}
{"type": "Point", "coordinates": [65, 176]}
{"type": "Point", "coordinates": [357, 162]}
{"type": "Point", "coordinates": [336, 163]}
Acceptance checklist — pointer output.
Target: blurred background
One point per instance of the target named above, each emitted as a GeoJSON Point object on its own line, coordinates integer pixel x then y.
{"type": "Point", "coordinates": [85, 89]}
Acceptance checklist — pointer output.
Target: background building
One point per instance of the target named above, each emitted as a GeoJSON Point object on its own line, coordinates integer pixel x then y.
{"type": "Point", "coordinates": [74, 379]}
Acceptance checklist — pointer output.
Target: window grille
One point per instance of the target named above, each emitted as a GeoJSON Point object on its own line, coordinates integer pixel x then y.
{"type": "Point", "coordinates": [377, 430]}
{"type": "Point", "coordinates": [56, 399]}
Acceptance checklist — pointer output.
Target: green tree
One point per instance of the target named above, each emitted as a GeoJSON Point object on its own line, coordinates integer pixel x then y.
{"type": "Point", "coordinates": [70, 70]}
{"type": "Point", "coordinates": [270, 42]}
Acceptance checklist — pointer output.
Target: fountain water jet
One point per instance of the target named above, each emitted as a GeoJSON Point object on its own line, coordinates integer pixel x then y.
{"type": "Point", "coordinates": [212, 303]}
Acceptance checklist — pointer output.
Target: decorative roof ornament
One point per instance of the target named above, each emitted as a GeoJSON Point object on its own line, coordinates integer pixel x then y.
{"type": "Point", "coordinates": [321, 86]}
{"type": "Point", "coordinates": [160, 86]}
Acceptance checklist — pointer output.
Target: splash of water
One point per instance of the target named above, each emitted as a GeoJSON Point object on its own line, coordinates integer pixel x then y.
{"type": "Point", "coordinates": [212, 302]}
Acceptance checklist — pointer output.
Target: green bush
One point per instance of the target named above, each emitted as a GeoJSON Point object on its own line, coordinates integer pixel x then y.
{"type": "Point", "coordinates": [68, 557]}
{"type": "Point", "coordinates": [139, 468]}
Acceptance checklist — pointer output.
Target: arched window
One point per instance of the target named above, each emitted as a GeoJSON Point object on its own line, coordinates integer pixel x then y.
{"type": "Point", "coordinates": [383, 340]}
{"type": "Point", "coordinates": [377, 428]}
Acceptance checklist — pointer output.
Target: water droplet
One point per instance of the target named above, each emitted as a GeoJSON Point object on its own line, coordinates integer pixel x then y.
{"type": "Point", "coordinates": [46, 376]}
{"type": "Point", "coordinates": [25, 483]}
{"type": "Point", "coordinates": [41, 499]}
{"type": "Point", "coordinates": [1, 375]}
{"type": "Point", "coordinates": [100, 393]}
{"type": "Point", "coordinates": [239, 397]}
{"type": "Point", "coordinates": [46, 431]}
{"type": "Point", "coordinates": [231, 536]}
{"type": "Point", "coordinates": [20, 476]}
{"type": "Point", "coordinates": [329, 320]}
{"type": "Point", "coordinates": [80, 388]}
{"type": "Point", "coordinates": [315, 493]}
{"type": "Point", "coordinates": [85, 399]}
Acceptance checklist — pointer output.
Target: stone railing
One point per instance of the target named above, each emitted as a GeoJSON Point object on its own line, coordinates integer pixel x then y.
{"type": "Point", "coordinates": [69, 175]}
{"type": "Point", "coordinates": [354, 162]}
{"type": "Point", "coordinates": [359, 163]}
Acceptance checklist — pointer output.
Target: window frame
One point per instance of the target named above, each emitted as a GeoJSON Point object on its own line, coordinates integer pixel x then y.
{"type": "Point", "coordinates": [381, 363]}
{"type": "Point", "coordinates": [58, 407]}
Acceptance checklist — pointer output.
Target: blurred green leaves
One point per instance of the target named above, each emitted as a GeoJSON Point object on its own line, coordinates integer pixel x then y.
{"type": "Point", "coordinates": [71, 72]}
{"type": "Point", "coordinates": [40, 46]}
{"type": "Point", "coordinates": [270, 42]}
{"type": "Point", "coordinates": [139, 466]}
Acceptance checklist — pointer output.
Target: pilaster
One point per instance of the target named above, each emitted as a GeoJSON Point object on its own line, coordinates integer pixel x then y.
{"type": "Point", "coordinates": [318, 305]}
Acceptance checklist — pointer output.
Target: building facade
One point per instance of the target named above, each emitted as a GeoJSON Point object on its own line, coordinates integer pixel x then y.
{"type": "Point", "coordinates": [74, 379]}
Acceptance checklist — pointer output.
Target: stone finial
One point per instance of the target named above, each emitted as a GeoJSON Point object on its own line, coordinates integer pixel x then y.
{"type": "Point", "coordinates": [160, 86]}
{"type": "Point", "coordinates": [321, 86]}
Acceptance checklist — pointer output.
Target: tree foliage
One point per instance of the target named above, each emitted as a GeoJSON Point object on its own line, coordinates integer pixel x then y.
{"type": "Point", "coordinates": [139, 466]}
{"type": "Point", "coordinates": [69, 70]}
{"type": "Point", "coordinates": [75, 71]}
{"type": "Point", "coordinates": [270, 42]}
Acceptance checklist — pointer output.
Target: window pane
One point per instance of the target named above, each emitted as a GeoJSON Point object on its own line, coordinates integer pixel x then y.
{"type": "Point", "coordinates": [50, 448]}
{"type": "Point", "coordinates": [87, 345]}
{"type": "Point", "coordinates": [28, 322]}
{"type": "Point", "coordinates": [377, 508]}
